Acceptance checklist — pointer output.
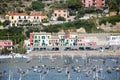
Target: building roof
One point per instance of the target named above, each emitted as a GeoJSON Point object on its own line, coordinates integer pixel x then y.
{"type": "Point", "coordinates": [36, 14]}
{"type": "Point", "coordinates": [5, 40]}
{"type": "Point", "coordinates": [60, 9]}
{"type": "Point", "coordinates": [40, 33]}
{"type": "Point", "coordinates": [17, 14]}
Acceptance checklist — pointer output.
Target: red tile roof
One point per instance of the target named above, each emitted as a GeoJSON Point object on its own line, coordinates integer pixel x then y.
{"type": "Point", "coordinates": [17, 14]}
{"type": "Point", "coordinates": [36, 14]}
{"type": "Point", "coordinates": [60, 9]}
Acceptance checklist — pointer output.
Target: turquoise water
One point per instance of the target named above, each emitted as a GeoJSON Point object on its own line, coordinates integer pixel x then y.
{"type": "Point", "coordinates": [49, 66]}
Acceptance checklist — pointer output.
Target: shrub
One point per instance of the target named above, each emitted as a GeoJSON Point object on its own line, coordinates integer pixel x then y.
{"type": "Point", "coordinates": [61, 18]}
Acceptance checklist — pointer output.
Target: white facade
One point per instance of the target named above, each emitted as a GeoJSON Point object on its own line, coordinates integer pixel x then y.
{"type": "Point", "coordinates": [114, 40]}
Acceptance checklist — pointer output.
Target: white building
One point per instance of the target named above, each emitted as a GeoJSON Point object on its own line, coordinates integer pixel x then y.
{"type": "Point", "coordinates": [114, 40]}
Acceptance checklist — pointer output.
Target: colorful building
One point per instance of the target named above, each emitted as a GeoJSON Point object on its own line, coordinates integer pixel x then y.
{"type": "Point", "coordinates": [60, 12]}
{"type": "Point", "coordinates": [6, 44]}
{"type": "Point", "coordinates": [40, 39]}
{"type": "Point", "coordinates": [95, 3]}
{"type": "Point", "coordinates": [61, 39]}
{"type": "Point", "coordinates": [54, 40]}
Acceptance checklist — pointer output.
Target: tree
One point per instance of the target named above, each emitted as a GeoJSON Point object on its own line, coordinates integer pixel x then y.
{"type": "Point", "coordinates": [21, 48]}
{"type": "Point", "coordinates": [61, 18]}
{"type": "Point", "coordinates": [37, 5]}
{"type": "Point", "coordinates": [114, 5]}
{"type": "Point", "coordinates": [31, 29]}
{"type": "Point", "coordinates": [5, 51]}
{"type": "Point", "coordinates": [6, 23]}
{"type": "Point", "coordinates": [74, 4]}
{"type": "Point", "coordinates": [1, 23]}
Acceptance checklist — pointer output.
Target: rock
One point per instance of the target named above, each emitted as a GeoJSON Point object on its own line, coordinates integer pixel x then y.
{"type": "Point", "coordinates": [81, 30]}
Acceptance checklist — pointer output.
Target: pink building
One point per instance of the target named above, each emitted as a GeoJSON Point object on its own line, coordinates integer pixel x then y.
{"type": "Point", "coordinates": [54, 41]}
{"type": "Point", "coordinates": [81, 41]}
{"type": "Point", "coordinates": [31, 39]}
{"type": "Point", "coordinates": [6, 44]}
{"type": "Point", "coordinates": [63, 12]}
{"type": "Point", "coordinates": [95, 3]}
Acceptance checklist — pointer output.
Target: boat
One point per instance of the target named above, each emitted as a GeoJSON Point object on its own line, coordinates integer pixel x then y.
{"type": "Point", "coordinates": [59, 69]}
{"type": "Point", "coordinates": [1, 74]}
{"type": "Point", "coordinates": [87, 73]}
{"type": "Point", "coordinates": [39, 70]}
{"type": "Point", "coordinates": [20, 78]}
{"type": "Point", "coordinates": [28, 60]}
{"type": "Point", "coordinates": [117, 68]}
{"type": "Point", "coordinates": [109, 70]}
{"type": "Point", "coordinates": [69, 77]}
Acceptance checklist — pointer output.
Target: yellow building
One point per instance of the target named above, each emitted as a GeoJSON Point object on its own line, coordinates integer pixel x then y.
{"type": "Point", "coordinates": [17, 19]}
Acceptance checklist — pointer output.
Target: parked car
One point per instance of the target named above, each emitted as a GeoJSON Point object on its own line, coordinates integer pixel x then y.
{"type": "Point", "coordinates": [55, 49]}
{"type": "Point", "coordinates": [81, 48]}
{"type": "Point", "coordinates": [89, 48]}
{"type": "Point", "coordinates": [67, 49]}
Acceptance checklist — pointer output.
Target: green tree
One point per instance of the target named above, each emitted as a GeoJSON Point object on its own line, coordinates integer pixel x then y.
{"type": "Point", "coordinates": [61, 18]}
{"type": "Point", "coordinates": [74, 4]}
{"type": "Point", "coordinates": [5, 51]}
{"type": "Point", "coordinates": [21, 49]}
{"type": "Point", "coordinates": [1, 23]}
{"type": "Point", "coordinates": [114, 5]}
{"type": "Point", "coordinates": [6, 22]}
{"type": "Point", "coordinates": [37, 5]}
{"type": "Point", "coordinates": [31, 29]}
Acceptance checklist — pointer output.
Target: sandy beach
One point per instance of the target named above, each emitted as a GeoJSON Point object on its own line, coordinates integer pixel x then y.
{"type": "Point", "coordinates": [75, 53]}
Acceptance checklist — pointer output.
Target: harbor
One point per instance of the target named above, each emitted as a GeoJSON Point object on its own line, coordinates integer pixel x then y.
{"type": "Point", "coordinates": [64, 67]}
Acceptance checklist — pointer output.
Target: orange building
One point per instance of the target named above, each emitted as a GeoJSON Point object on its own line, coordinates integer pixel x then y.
{"type": "Point", "coordinates": [63, 12]}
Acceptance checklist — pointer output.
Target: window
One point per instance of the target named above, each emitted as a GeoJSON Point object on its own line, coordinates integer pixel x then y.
{"type": "Point", "coordinates": [43, 41]}
{"type": "Point", "coordinates": [24, 17]}
{"type": "Point", "coordinates": [43, 37]}
{"type": "Point", "coordinates": [39, 37]}
{"type": "Point", "coordinates": [37, 17]}
{"type": "Point", "coordinates": [34, 17]}
{"type": "Point", "coordinates": [36, 41]}
{"type": "Point", "coordinates": [59, 15]}
{"type": "Point", "coordinates": [55, 14]}
{"type": "Point", "coordinates": [9, 43]}
{"type": "Point", "coordinates": [48, 37]}
{"type": "Point", "coordinates": [19, 17]}
{"type": "Point", "coordinates": [12, 17]}
{"type": "Point", "coordinates": [113, 38]}
{"type": "Point", "coordinates": [64, 14]}
{"type": "Point", "coordinates": [64, 10]}
{"type": "Point", "coordinates": [58, 10]}
{"type": "Point", "coordinates": [35, 37]}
